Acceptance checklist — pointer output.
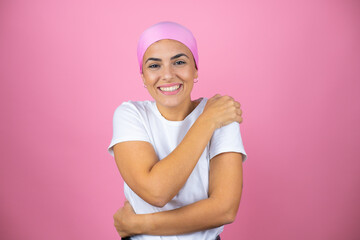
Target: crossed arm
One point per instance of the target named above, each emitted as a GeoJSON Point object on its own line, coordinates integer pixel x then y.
{"type": "Point", "coordinates": [225, 187]}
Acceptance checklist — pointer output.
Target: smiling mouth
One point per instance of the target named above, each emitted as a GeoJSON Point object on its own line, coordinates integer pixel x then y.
{"type": "Point", "coordinates": [170, 89]}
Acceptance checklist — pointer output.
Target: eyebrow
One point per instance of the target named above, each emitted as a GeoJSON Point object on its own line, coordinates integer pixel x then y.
{"type": "Point", "coordinates": [176, 56]}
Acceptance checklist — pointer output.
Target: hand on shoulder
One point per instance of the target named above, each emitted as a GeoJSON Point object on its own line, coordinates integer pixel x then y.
{"type": "Point", "coordinates": [222, 110]}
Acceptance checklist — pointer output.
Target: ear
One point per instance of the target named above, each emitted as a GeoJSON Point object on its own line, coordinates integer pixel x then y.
{"type": "Point", "coordinates": [196, 74]}
{"type": "Point", "coordinates": [143, 78]}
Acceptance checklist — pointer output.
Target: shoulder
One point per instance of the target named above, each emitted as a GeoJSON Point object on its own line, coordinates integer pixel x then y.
{"type": "Point", "coordinates": [132, 111]}
{"type": "Point", "coordinates": [133, 107]}
{"type": "Point", "coordinates": [230, 130]}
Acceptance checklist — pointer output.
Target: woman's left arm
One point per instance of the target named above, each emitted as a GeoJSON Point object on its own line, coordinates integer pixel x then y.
{"type": "Point", "coordinates": [225, 187]}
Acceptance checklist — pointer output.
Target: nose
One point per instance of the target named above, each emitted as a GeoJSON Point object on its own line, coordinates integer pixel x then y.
{"type": "Point", "coordinates": [168, 73]}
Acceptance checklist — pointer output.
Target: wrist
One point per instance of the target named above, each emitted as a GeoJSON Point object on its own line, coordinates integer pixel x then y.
{"type": "Point", "coordinates": [142, 224]}
{"type": "Point", "coordinates": [205, 121]}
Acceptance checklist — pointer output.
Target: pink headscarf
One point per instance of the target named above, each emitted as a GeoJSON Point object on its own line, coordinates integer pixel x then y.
{"type": "Point", "coordinates": [166, 30]}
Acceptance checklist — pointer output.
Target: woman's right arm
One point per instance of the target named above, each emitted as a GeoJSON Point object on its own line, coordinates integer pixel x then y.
{"type": "Point", "coordinates": [157, 182]}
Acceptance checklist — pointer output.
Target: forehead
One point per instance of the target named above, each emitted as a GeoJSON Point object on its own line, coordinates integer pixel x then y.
{"type": "Point", "coordinates": [166, 47]}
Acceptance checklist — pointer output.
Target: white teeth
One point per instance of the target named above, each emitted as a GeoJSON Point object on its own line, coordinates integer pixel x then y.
{"type": "Point", "coordinates": [169, 89]}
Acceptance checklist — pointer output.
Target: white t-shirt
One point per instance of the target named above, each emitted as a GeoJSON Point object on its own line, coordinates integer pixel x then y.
{"type": "Point", "coordinates": [142, 121]}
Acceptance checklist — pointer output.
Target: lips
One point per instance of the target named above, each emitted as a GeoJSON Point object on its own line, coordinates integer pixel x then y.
{"type": "Point", "coordinates": [170, 89]}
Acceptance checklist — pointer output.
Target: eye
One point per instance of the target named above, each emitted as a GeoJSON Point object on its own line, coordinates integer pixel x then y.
{"type": "Point", "coordinates": [153, 66]}
{"type": "Point", "coordinates": [180, 62]}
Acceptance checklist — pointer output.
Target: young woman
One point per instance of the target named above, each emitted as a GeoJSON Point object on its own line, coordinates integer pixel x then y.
{"type": "Point", "coordinates": [181, 159]}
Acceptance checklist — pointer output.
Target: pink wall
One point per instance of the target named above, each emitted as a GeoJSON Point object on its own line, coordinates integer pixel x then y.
{"type": "Point", "coordinates": [293, 65]}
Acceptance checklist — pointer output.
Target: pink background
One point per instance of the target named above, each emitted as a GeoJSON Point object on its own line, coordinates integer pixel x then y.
{"type": "Point", "coordinates": [293, 65]}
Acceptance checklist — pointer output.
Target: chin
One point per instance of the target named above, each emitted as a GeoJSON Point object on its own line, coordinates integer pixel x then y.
{"type": "Point", "coordinates": [170, 102]}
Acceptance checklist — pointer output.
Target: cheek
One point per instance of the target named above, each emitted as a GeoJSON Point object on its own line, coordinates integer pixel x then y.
{"type": "Point", "coordinates": [186, 75]}
{"type": "Point", "coordinates": [150, 79]}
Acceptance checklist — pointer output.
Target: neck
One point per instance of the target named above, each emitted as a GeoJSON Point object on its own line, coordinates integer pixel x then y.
{"type": "Point", "coordinates": [177, 113]}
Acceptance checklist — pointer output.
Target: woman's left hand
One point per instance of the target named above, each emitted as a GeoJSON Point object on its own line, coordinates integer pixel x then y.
{"type": "Point", "coordinates": [124, 220]}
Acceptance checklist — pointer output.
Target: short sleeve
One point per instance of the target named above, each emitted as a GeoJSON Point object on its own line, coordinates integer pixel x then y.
{"type": "Point", "coordinates": [127, 126]}
{"type": "Point", "coordinates": [227, 139]}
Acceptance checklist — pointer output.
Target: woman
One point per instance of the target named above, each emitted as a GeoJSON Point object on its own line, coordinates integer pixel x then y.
{"type": "Point", "coordinates": [181, 159]}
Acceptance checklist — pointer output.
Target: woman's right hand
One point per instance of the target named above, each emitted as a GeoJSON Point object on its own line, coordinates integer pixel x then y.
{"type": "Point", "coordinates": [222, 110]}
{"type": "Point", "coordinates": [125, 220]}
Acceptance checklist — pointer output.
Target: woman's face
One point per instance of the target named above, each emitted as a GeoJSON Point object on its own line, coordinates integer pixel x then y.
{"type": "Point", "coordinates": [169, 72]}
